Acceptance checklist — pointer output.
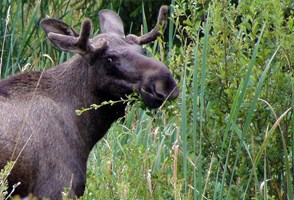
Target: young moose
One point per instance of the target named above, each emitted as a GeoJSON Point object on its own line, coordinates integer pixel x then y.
{"type": "Point", "coordinates": [39, 128]}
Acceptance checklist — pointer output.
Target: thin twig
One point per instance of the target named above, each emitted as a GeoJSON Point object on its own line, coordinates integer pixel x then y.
{"type": "Point", "coordinates": [4, 39]}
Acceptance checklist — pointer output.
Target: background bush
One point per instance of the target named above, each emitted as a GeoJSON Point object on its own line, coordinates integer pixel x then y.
{"type": "Point", "coordinates": [230, 134]}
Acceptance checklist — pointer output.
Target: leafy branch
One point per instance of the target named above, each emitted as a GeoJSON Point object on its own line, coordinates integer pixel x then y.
{"type": "Point", "coordinates": [129, 98]}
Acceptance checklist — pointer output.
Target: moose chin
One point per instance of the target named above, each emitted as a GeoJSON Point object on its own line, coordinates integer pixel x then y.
{"type": "Point", "coordinates": [39, 129]}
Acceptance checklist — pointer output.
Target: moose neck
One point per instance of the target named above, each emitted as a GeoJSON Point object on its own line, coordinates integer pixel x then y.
{"type": "Point", "coordinates": [72, 87]}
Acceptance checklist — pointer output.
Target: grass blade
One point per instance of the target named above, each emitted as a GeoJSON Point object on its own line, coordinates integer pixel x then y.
{"type": "Point", "coordinates": [202, 97]}
{"type": "Point", "coordinates": [184, 125]}
{"type": "Point", "coordinates": [195, 114]}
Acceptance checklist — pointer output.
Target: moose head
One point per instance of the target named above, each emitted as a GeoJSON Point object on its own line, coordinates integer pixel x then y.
{"type": "Point", "coordinates": [118, 64]}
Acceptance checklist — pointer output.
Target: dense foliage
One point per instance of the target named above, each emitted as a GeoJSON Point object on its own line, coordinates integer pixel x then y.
{"type": "Point", "coordinates": [229, 135]}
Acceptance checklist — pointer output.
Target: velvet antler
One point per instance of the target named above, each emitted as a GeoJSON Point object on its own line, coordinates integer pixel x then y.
{"type": "Point", "coordinates": [155, 32]}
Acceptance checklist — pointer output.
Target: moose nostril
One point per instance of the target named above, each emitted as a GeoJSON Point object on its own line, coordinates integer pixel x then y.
{"type": "Point", "coordinates": [159, 94]}
{"type": "Point", "coordinates": [150, 89]}
{"type": "Point", "coordinates": [155, 92]}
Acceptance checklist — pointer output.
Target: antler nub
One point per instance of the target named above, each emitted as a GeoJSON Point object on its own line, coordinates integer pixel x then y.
{"type": "Point", "coordinates": [155, 32]}
{"type": "Point", "coordinates": [162, 16]}
{"type": "Point", "coordinates": [83, 40]}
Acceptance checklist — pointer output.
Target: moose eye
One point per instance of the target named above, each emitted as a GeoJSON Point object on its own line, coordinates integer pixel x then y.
{"type": "Point", "coordinates": [109, 60]}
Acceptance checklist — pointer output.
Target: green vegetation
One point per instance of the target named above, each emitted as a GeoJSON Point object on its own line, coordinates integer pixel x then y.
{"type": "Point", "coordinates": [230, 134]}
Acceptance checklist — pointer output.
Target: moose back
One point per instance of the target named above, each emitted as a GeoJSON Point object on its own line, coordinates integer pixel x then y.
{"type": "Point", "coordinates": [39, 128]}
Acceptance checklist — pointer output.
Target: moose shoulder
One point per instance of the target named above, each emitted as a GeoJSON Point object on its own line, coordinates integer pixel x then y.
{"type": "Point", "coordinates": [39, 128]}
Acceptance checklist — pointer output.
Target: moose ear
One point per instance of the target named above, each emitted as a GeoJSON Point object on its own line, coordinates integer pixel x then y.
{"type": "Point", "coordinates": [65, 39]}
{"type": "Point", "coordinates": [110, 22]}
{"type": "Point", "coordinates": [51, 25]}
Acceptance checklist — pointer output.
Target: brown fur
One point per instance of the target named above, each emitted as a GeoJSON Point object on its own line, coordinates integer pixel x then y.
{"type": "Point", "coordinates": [39, 128]}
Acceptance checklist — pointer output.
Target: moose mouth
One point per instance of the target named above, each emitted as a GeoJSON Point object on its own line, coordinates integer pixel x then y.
{"type": "Point", "coordinates": [150, 98]}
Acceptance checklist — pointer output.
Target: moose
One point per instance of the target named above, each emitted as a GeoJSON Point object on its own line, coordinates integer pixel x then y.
{"type": "Point", "coordinates": [39, 128]}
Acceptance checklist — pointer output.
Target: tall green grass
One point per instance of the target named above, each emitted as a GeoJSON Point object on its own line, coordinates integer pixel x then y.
{"type": "Point", "coordinates": [230, 134]}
